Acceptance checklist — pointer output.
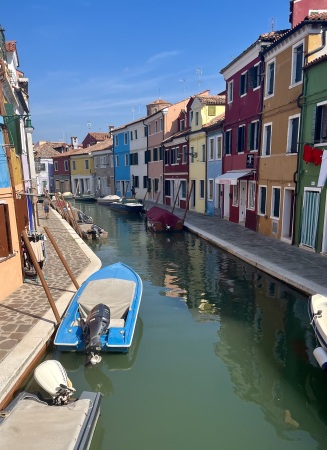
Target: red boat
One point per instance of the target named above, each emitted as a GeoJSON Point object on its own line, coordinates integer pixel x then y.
{"type": "Point", "coordinates": [159, 219]}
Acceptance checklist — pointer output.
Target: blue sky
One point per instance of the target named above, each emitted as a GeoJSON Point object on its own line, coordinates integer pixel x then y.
{"type": "Point", "coordinates": [100, 62]}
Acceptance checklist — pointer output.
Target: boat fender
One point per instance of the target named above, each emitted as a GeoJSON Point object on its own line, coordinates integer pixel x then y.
{"type": "Point", "coordinates": [321, 356]}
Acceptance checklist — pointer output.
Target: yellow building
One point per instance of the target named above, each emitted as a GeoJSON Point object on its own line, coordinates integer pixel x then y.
{"type": "Point", "coordinates": [202, 109]}
{"type": "Point", "coordinates": [284, 60]}
{"type": "Point", "coordinates": [82, 172]}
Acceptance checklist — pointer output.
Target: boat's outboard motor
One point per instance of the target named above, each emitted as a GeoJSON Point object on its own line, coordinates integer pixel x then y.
{"type": "Point", "coordinates": [52, 377]}
{"type": "Point", "coordinates": [96, 324]}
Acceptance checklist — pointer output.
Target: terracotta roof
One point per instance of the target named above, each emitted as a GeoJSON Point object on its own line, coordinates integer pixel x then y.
{"type": "Point", "coordinates": [158, 102]}
{"type": "Point", "coordinates": [99, 136]}
{"type": "Point", "coordinates": [11, 46]}
{"type": "Point", "coordinates": [104, 145]}
{"type": "Point", "coordinates": [215, 121]}
{"type": "Point", "coordinates": [45, 151]}
{"type": "Point", "coordinates": [177, 135]}
{"type": "Point", "coordinates": [316, 61]}
{"type": "Point", "coordinates": [82, 151]}
{"type": "Point", "coordinates": [317, 16]}
{"type": "Point", "coordinates": [212, 99]}
{"type": "Point", "coordinates": [69, 153]}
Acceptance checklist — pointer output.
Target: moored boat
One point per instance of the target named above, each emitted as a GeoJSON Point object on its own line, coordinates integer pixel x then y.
{"type": "Point", "coordinates": [318, 319]}
{"type": "Point", "coordinates": [108, 199]}
{"type": "Point", "coordinates": [55, 420]}
{"type": "Point", "coordinates": [102, 315]}
{"type": "Point", "coordinates": [127, 205]}
{"type": "Point", "coordinates": [159, 219]}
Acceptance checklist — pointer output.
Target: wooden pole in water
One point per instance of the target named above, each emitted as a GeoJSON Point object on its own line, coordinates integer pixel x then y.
{"type": "Point", "coordinates": [76, 227]}
{"type": "Point", "coordinates": [53, 242]}
{"type": "Point", "coordinates": [188, 200]}
{"type": "Point", "coordinates": [41, 276]}
{"type": "Point", "coordinates": [179, 187]}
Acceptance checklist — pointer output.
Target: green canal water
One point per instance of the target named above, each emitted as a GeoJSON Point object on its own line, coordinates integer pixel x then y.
{"type": "Point", "coordinates": [221, 358]}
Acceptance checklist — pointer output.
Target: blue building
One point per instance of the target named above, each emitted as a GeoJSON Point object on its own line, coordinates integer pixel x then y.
{"type": "Point", "coordinates": [121, 151]}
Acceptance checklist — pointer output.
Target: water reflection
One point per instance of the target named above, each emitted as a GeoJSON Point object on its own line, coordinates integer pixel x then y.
{"type": "Point", "coordinates": [220, 337]}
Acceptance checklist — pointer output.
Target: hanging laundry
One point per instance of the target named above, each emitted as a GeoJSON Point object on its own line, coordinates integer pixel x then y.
{"type": "Point", "coordinates": [323, 171]}
{"type": "Point", "coordinates": [307, 153]}
{"type": "Point", "coordinates": [317, 156]}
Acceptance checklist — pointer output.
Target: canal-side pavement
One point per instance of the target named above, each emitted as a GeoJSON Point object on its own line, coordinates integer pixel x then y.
{"type": "Point", "coordinates": [27, 322]}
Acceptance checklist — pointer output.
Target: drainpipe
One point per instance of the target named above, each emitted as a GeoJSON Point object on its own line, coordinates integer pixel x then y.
{"type": "Point", "coordinates": [147, 145]}
{"type": "Point", "coordinates": [299, 103]}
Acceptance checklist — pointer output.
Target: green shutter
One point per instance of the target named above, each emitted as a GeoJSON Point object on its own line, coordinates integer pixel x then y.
{"type": "Point", "coordinates": [13, 127]}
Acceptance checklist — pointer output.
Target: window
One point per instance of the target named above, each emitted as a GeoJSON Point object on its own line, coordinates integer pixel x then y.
{"type": "Point", "coordinates": [74, 165]}
{"type": "Point", "coordinates": [161, 124]}
{"type": "Point", "coordinates": [241, 139]}
{"type": "Point", "coordinates": [251, 195]}
{"type": "Point", "coordinates": [66, 165]}
{"type": "Point", "coordinates": [167, 188]}
{"type": "Point", "coordinates": [181, 124]}
{"type": "Point", "coordinates": [131, 135]}
{"type": "Point", "coordinates": [149, 129]}
{"type": "Point", "coordinates": [145, 182]}
{"type": "Point", "coordinates": [275, 202]}
{"type": "Point", "coordinates": [211, 149]}
{"type": "Point", "coordinates": [230, 91]}
{"type": "Point", "coordinates": [155, 154]}
{"type": "Point", "coordinates": [117, 161]}
{"type": "Point", "coordinates": [201, 188]}
{"type": "Point", "coordinates": [243, 84]}
{"type": "Point", "coordinates": [211, 110]}
{"type": "Point", "coordinates": [173, 155]}
{"type": "Point", "coordinates": [156, 185]}
{"type": "Point", "coordinates": [183, 189]}
{"type": "Point", "coordinates": [203, 153]}
{"type": "Point", "coordinates": [270, 78]}
{"type": "Point", "coordinates": [262, 200]}
{"type": "Point", "coordinates": [116, 139]}
{"type": "Point", "coordinates": [56, 166]}
{"type": "Point", "coordinates": [136, 181]}
{"type": "Point", "coordinates": [161, 150]}
{"type": "Point", "coordinates": [126, 158]}
{"type": "Point", "coordinates": [167, 157]}
{"type": "Point", "coordinates": [125, 138]}
{"type": "Point", "coordinates": [86, 164]}
{"type": "Point", "coordinates": [197, 118]}
{"type": "Point", "coordinates": [191, 116]}
{"type": "Point", "coordinates": [147, 156]}
{"type": "Point", "coordinates": [210, 189]}
{"type": "Point", "coordinates": [293, 134]}
{"type": "Point", "coordinates": [102, 162]}
{"type": "Point", "coordinates": [235, 195]}
{"type": "Point", "coordinates": [135, 134]}
{"type": "Point", "coordinates": [320, 123]}
{"type": "Point", "coordinates": [297, 63]}
{"type": "Point", "coordinates": [228, 142]}
{"type": "Point", "coordinates": [253, 135]}
{"type": "Point", "coordinates": [145, 131]}
{"type": "Point", "coordinates": [254, 76]}
{"type": "Point", "coordinates": [134, 159]}
{"type": "Point", "coordinates": [219, 147]}
{"type": "Point", "coordinates": [184, 160]}
{"type": "Point", "coordinates": [156, 126]}
{"type": "Point", "coordinates": [266, 148]}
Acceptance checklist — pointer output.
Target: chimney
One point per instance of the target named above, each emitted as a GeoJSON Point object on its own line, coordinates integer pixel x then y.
{"type": "Point", "coordinates": [111, 127]}
{"type": "Point", "coordinates": [74, 142]}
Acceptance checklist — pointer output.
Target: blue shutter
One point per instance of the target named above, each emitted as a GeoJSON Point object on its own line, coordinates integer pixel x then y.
{"type": "Point", "coordinates": [310, 215]}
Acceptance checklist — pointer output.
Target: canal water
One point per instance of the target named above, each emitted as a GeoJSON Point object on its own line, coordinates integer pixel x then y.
{"type": "Point", "coordinates": [221, 358]}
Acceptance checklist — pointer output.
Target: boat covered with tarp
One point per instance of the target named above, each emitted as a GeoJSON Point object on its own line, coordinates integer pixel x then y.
{"type": "Point", "coordinates": [159, 219]}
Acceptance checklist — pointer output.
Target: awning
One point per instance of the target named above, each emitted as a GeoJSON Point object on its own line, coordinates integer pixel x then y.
{"type": "Point", "coordinates": [231, 177]}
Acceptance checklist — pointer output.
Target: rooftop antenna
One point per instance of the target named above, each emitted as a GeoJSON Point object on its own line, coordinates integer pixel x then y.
{"type": "Point", "coordinates": [272, 24]}
{"type": "Point", "coordinates": [89, 125]}
{"type": "Point", "coordinates": [198, 72]}
{"type": "Point", "coordinates": [133, 111]}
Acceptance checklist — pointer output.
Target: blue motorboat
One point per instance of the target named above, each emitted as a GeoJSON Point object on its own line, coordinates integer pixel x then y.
{"type": "Point", "coordinates": [102, 315]}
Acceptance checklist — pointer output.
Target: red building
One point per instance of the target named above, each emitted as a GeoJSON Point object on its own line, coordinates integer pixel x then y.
{"type": "Point", "coordinates": [299, 9]}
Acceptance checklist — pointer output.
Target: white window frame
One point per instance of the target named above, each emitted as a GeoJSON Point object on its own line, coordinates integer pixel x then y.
{"type": "Point", "coordinates": [219, 147]}
{"type": "Point", "coordinates": [117, 161]}
{"type": "Point", "coordinates": [230, 89]}
{"type": "Point", "coordinates": [56, 166]}
{"type": "Point", "coordinates": [260, 213]}
{"type": "Point", "coordinates": [116, 139]}
{"type": "Point", "coordinates": [321, 141]}
{"type": "Point", "coordinates": [184, 158]}
{"type": "Point", "coordinates": [125, 138]}
{"type": "Point", "coordinates": [244, 76]}
{"type": "Point", "coordinates": [264, 139]}
{"type": "Point", "coordinates": [294, 63]}
{"type": "Point", "coordinates": [66, 165]}
{"type": "Point", "coordinates": [257, 86]}
{"type": "Point", "coordinates": [290, 134]}
{"type": "Point", "coordinates": [126, 159]}
{"type": "Point", "coordinates": [239, 152]}
{"type": "Point", "coordinates": [210, 189]}
{"type": "Point", "coordinates": [211, 149]}
{"type": "Point", "coordinates": [273, 190]}
{"type": "Point", "coordinates": [229, 132]}
{"type": "Point", "coordinates": [268, 78]}
{"type": "Point", "coordinates": [256, 136]}
{"type": "Point", "coordinates": [251, 195]}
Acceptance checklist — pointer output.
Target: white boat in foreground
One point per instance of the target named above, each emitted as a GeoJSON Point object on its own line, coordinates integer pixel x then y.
{"type": "Point", "coordinates": [34, 422]}
{"type": "Point", "coordinates": [318, 320]}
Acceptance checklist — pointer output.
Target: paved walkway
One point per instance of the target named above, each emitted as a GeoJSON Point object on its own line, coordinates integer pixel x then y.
{"type": "Point", "coordinates": [26, 322]}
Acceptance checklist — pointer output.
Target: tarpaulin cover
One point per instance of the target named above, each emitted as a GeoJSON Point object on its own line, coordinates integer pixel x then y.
{"type": "Point", "coordinates": [166, 218]}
